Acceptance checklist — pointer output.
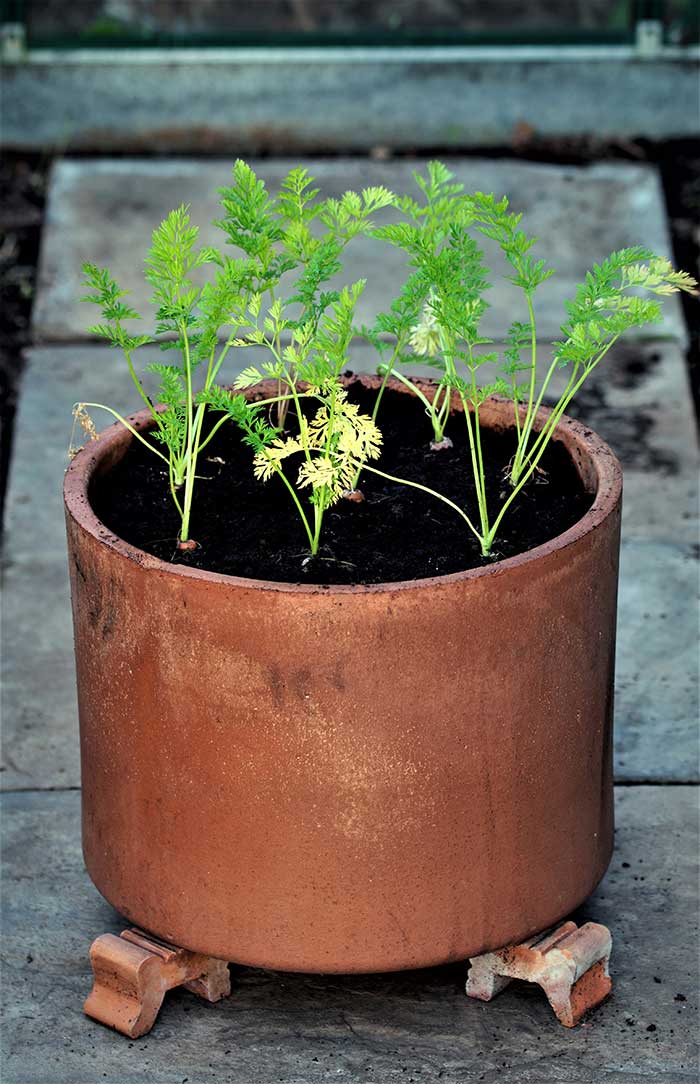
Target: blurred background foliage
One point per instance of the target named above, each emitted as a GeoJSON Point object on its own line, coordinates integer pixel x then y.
{"type": "Point", "coordinates": [71, 23]}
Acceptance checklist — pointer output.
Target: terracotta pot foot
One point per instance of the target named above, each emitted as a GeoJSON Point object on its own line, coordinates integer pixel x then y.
{"type": "Point", "coordinates": [134, 971]}
{"type": "Point", "coordinates": [570, 963]}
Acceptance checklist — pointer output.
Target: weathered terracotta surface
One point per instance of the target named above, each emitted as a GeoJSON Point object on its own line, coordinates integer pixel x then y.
{"type": "Point", "coordinates": [347, 778]}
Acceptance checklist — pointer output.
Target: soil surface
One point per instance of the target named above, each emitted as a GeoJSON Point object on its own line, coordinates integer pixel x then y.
{"type": "Point", "coordinates": [249, 528]}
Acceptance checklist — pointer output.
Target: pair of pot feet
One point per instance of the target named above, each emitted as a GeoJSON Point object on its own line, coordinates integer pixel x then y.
{"type": "Point", "coordinates": [133, 972]}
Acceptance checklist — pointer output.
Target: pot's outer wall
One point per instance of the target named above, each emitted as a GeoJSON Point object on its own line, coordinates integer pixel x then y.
{"type": "Point", "coordinates": [347, 780]}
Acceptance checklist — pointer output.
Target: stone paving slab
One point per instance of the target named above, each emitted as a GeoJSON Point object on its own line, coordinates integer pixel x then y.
{"type": "Point", "coordinates": [640, 402]}
{"type": "Point", "coordinates": [656, 714]}
{"type": "Point", "coordinates": [104, 210]}
{"type": "Point", "coordinates": [325, 96]}
{"type": "Point", "coordinates": [657, 673]}
{"type": "Point", "coordinates": [401, 1027]}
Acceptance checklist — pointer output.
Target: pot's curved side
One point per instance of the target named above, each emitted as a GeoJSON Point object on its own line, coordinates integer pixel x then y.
{"type": "Point", "coordinates": [348, 780]}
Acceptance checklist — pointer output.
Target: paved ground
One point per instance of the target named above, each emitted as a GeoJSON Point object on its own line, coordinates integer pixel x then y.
{"type": "Point", "coordinates": [104, 210]}
{"type": "Point", "coordinates": [406, 1027]}
{"type": "Point", "coordinates": [416, 1026]}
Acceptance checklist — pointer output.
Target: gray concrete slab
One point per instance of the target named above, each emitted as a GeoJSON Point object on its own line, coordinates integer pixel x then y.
{"type": "Point", "coordinates": [104, 210]}
{"type": "Point", "coordinates": [656, 720]}
{"type": "Point", "coordinates": [657, 676]}
{"type": "Point", "coordinates": [639, 400]}
{"type": "Point", "coordinates": [411, 1026]}
{"type": "Point", "coordinates": [328, 97]}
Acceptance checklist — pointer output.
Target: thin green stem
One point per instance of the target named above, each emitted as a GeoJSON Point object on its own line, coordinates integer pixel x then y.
{"type": "Point", "coordinates": [276, 398]}
{"type": "Point", "coordinates": [522, 441]}
{"type": "Point", "coordinates": [190, 475]}
{"type": "Point", "coordinates": [567, 395]}
{"type": "Point", "coordinates": [188, 381]}
{"type": "Point", "coordinates": [194, 426]}
{"type": "Point", "coordinates": [320, 503]}
{"type": "Point", "coordinates": [516, 411]}
{"type": "Point", "coordinates": [303, 432]}
{"type": "Point", "coordinates": [474, 436]}
{"type": "Point", "coordinates": [318, 522]}
{"type": "Point", "coordinates": [190, 454]}
{"type": "Point", "coordinates": [388, 369]}
{"type": "Point", "coordinates": [415, 389]}
{"type": "Point", "coordinates": [444, 412]}
{"type": "Point", "coordinates": [431, 492]}
{"type": "Point", "coordinates": [173, 488]}
{"type": "Point", "coordinates": [212, 372]}
{"type": "Point", "coordinates": [300, 510]}
{"type": "Point", "coordinates": [194, 445]}
{"type": "Point", "coordinates": [483, 517]}
{"type": "Point", "coordinates": [213, 369]}
{"type": "Point", "coordinates": [290, 380]}
{"type": "Point", "coordinates": [140, 389]}
{"type": "Point", "coordinates": [480, 480]}
{"type": "Point", "coordinates": [212, 432]}
{"type": "Point", "coordinates": [282, 407]}
{"type": "Point", "coordinates": [533, 350]}
{"type": "Point", "coordinates": [440, 416]}
{"type": "Point", "coordinates": [530, 413]}
{"type": "Point", "coordinates": [430, 408]}
{"type": "Point", "coordinates": [542, 435]}
{"type": "Point", "coordinates": [127, 425]}
{"type": "Point", "coordinates": [545, 435]}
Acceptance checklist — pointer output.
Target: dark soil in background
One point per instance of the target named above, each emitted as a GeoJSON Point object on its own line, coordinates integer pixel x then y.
{"type": "Point", "coordinates": [681, 179]}
{"type": "Point", "coordinates": [247, 528]}
{"type": "Point", "coordinates": [22, 188]}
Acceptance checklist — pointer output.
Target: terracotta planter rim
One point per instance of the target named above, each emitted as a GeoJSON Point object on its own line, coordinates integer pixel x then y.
{"type": "Point", "coordinates": [608, 491]}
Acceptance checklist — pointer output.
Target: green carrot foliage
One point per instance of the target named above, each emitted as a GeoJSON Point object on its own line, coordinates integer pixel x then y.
{"type": "Point", "coordinates": [272, 290]}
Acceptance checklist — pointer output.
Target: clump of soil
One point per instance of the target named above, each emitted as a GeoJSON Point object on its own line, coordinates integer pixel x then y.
{"type": "Point", "coordinates": [247, 528]}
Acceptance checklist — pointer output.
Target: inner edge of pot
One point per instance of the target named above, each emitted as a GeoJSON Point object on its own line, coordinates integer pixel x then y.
{"type": "Point", "coordinates": [597, 465]}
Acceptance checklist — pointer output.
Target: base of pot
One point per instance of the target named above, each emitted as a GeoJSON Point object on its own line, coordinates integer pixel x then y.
{"type": "Point", "coordinates": [133, 972]}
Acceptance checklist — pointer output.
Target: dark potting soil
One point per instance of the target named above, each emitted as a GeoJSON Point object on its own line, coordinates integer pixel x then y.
{"type": "Point", "coordinates": [248, 528]}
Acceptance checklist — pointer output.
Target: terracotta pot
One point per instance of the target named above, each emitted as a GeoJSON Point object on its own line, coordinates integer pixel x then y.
{"type": "Point", "coordinates": [344, 779]}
